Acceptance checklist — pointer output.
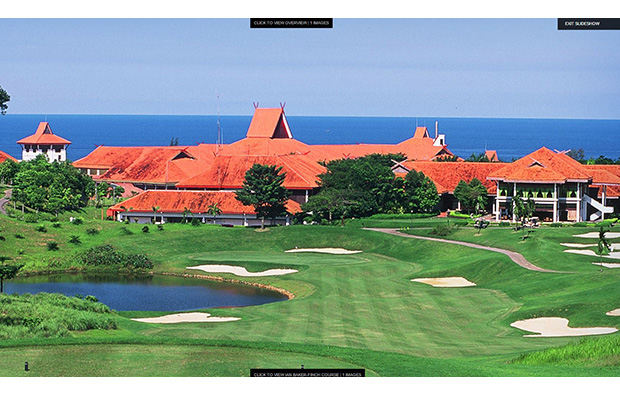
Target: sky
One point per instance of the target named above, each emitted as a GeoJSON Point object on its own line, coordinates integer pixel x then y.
{"type": "Point", "coordinates": [521, 68]}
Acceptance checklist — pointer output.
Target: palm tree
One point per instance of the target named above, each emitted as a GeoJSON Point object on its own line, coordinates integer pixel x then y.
{"type": "Point", "coordinates": [186, 212]}
{"type": "Point", "coordinates": [214, 210]}
{"type": "Point", "coordinates": [603, 245]}
{"type": "Point", "coordinates": [155, 209]}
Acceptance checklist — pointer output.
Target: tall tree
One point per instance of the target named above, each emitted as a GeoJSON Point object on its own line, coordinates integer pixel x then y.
{"type": "Point", "coordinates": [4, 98]}
{"type": "Point", "coordinates": [263, 190]}
{"type": "Point", "coordinates": [421, 192]}
{"type": "Point", "coordinates": [8, 170]}
{"type": "Point", "coordinates": [334, 202]}
{"type": "Point", "coordinates": [472, 195]}
{"type": "Point", "coordinates": [51, 187]}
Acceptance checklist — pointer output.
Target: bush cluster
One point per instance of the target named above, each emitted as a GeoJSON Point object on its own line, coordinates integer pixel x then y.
{"type": "Point", "coordinates": [51, 315]}
{"type": "Point", "coordinates": [107, 255]}
{"type": "Point", "coordinates": [442, 230]}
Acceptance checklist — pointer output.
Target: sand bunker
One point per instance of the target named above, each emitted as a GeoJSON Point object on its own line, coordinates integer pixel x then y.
{"type": "Point", "coordinates": [594, 235]}
{"type": "Point", "coordinates": [185, 317]}
{"type": "Point", "coordinates": [446, 282]}
{"type": "Point", "coordinates": [557, 327]}
{"type": "Point", "coordinates": [241, 271]}
{"type": "Point", "coordinates": [337, 251]}
{"type": "Point", "coordinates": [614, 246]}
{"type": "Point", "coordinates": [614, 313]}
{"type": "Point", "coordinates": [607, 265]}
{"type": "Point", "coordinates": [611, 255]}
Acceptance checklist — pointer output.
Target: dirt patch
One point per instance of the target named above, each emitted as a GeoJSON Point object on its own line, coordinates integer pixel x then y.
{"type": "Point", "coordinates": [557, 327]}
{"type": "Point", "coordinates": [446, 282]}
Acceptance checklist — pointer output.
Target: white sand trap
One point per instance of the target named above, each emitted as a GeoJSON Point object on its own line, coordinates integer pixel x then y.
{"type": "Point", "coordinates": [611, 255]}
{"type": "Point", "coordinates": [614, 313]}
{"type": "Point", "coordinates": [607, 265]}
{"type": "Point", "coordinates": [337, 251]}
{"type": "Point", "coordinates": [185, 317]}
{"type": "Point", "coordinates": [594, 235]}
{"type": "Point", "coordinates": [614, 246]}
{"type": "Point", "coordinates": [446, 282]}
{"type": "Point", "coordinates": [557, 327]}
{"type": "Point", "coordinates": [241, 271]}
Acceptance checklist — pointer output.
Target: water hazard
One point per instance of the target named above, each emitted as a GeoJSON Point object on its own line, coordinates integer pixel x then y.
{"type": "Point", "coordinates": [154, 293]}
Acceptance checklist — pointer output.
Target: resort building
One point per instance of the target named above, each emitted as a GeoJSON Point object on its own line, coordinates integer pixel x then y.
{"type": "Point", "coordinates": [211, 207]}
{"type": "Point", "coordinates": [44, 142]}
{"type": "Point", "coordinates": [561, 188]}
{"type": "Point", "coordinates": [215, 167]}
{"type": "Point", "coordinates": [194, 177]}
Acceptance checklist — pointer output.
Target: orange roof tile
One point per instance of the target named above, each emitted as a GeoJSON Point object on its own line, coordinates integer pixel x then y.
{"type": "Point", "coordinates": [269, 123]}
{"type": "Point", "coordinates": [491, 155]}
{"type": "Point", "coordinates": [543, 165]}
{"type": "Point", "coordinates": [604, 174]}
{"type": "Point", "coordinates": [228, 172]}
{"type": "Point", "coordinates": [4, 156]}
{"type": "Point", "coordinates": [44, 135]}
{"type": "Point", "coordinates": [446, 175]}
{"type": "Point", "coordinates": [421, 132]}
{"type": "Point", "coordinates": [153, 165]}
{"type": "Point", "coordinates": [197, 202]}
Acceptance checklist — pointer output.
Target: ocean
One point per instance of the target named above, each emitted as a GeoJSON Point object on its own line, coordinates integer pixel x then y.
{"type": "Point", "coordinates": [510, 137]}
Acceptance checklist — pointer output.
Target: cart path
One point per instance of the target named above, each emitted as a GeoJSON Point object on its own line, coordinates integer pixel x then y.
{"type": "Point", "coordinates": [5, 200]}
{"type": "Point", "coordinates": [515, 256]}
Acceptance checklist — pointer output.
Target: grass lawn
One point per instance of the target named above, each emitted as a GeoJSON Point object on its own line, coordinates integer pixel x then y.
{"type": "Point", "coordinates": [357, 310]}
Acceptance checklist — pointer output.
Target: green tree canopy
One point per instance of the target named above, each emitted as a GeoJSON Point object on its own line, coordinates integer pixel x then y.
{"type": "Point", "coordinates": [4, 98]}
{"type": "Point", "coordinates": [7, 272]}
{"type": "Point", "coordinates": [421, 193]}
{"type": "Point", "coordinates": [51, 187]}
{"type": "Point", "coordinates": [263, 190]}
{"type": "Point", "coordinates": [8, 170]}
{"type": "Point", "coordinates": [472, 195]}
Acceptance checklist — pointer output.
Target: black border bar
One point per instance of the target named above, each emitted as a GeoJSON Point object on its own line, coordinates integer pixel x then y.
{"type": "Point", "coordinates": [307, 373]}
{"type": "Point", "coordinates": [588, 23]}
{"type": "Point", "coordinates": [291, 23]}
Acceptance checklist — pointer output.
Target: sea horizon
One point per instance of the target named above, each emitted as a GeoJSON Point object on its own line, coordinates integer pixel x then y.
{"type": "Point", "coordinates": [510, 137]}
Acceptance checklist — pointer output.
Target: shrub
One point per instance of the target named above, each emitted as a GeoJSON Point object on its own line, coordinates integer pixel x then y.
{"type": "Point", "coordinates": [2, 238]}
{"type": "Point", "coordinates": [91, 231]}
{"type": "Point", "coordinates": [78, 221]}
{"type": "Point", "coordinates": [556, 225]}
{"type": "Point", "coordinates": [124, 231]}
{"type": "Point", "coordinates": [580, 224]}
{"type": "Point", "coordinates": [91, 298]}
{"type": "Point", "coordinates": [74, 239]}
{"type": "Point", "coordinates": [20, 251]}
{"type": "Point", "coordinates": [442, 230]}
{"type": "Point", "coordinates": [126, 221]}
{"type": "Point", "coordinates": [107, 255]}
{"type": "Point", "coordinates": [41, 229]}
{"type": "Point", "coordinates": [504, 224]}
{"type": "Point", "coordinates": [52, 246]}
{"type": "Point", "coordinates": [145, 229]}
{"type": "Point", "coordinates": [160, 227]}
{"type": "Point", "coordinates": [19, 236]}
{"type": "Point", "coordinates": [31, 218]}
{"type": "Point", "coordinates": [56, 225]}
{"type": "Point", "coordinates": [195, 221]}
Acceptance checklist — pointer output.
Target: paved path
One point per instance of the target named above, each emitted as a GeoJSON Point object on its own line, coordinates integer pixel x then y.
{"type": "Point", "coordinates": [515, 256]}
{"type": "Point", "coordinates": [5, 200]}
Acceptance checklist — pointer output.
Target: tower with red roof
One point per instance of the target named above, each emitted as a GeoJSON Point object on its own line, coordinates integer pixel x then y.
{"type": "Point", "coordinates": [44, 142]}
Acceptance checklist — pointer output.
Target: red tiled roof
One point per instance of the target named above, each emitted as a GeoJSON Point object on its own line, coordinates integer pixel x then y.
{"type": "Point", "coordinates": [269, 123]}
{"type": "Point", "coordinates": [420, 132]}
{"type": "Point", "coordinates": [542, 165]}
{"type": "Point", "coordinates": [157, 165]}
{"type": "Point", "coordinates": [604, 174]}
{"type": "Point", "coordinates": [491, 155]}
{"type": "Point", "coordinates": [196, 201]}
{"type": "Point", "coordinates": [4, 156]}
{"type": "Point", "coordinates": [228, 172]}
{"type": "Point", "coordinates": [446, 175]}
{"type": "Point", "coordinates": [44, 135]}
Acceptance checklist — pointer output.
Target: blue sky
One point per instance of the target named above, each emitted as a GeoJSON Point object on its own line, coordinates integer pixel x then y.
{"type": "Point", "coordinates": [363, 67]}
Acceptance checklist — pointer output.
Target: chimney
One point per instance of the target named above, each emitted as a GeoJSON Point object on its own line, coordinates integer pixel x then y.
{"type": "Point", "coordinates": [436, 126]}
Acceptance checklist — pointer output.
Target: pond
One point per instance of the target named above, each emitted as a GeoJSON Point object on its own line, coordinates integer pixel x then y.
{"type": "Point", "coordinates": [153, 293]}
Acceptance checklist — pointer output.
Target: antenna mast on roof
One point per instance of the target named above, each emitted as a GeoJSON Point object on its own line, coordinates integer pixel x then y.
{"type": "Point", "coordinates": [219, 129]}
